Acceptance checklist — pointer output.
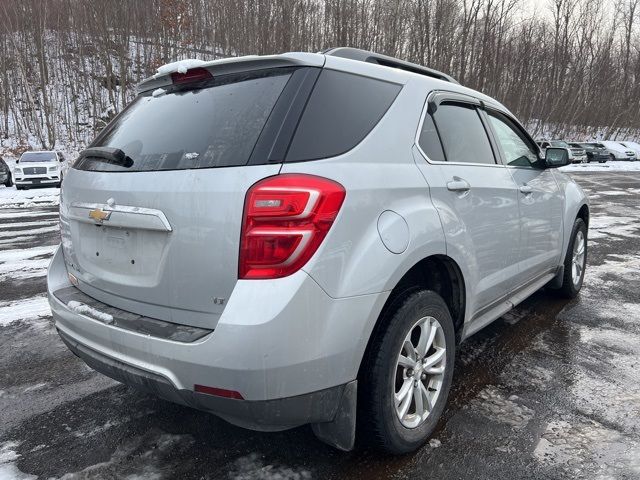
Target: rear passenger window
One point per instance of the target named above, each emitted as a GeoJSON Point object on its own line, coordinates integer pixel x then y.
{"type": "Point", "coordinates": [463, 135]}
{"type": "Point", "coordinates": [341, 111]}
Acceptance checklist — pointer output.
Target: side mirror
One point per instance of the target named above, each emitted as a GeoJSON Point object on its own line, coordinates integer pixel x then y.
{"type": "Point", "coordinates": [556, 157]}
{"type": "Point", "coordinates": [18, 161]}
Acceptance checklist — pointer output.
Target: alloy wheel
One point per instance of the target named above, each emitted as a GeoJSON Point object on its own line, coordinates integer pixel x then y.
{"type": "Point", "coordinates": [577, 265]}
{"type": "Point", "coordinates": [419, 372]}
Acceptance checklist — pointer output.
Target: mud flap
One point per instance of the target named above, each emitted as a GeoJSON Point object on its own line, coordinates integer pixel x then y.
{"type": "Point", "coordinates": [556, 282]}
{"type": "Point", "coordinates": [341, 432]}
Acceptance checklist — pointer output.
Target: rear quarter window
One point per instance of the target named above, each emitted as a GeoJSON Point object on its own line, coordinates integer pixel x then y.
{"type": "Point", "coordinates": [341, 111]}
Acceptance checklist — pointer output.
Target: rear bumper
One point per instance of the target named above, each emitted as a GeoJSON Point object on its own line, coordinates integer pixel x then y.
{"type": "Point", "coordinates": [266, 415]}
{"type": "Point", "coordinates": [286, 346]}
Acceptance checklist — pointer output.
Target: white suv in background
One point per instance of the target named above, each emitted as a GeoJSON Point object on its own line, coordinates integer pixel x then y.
{"type": "Point", "coordinates": [310, 242]}
{"type": "Point", "coordinates": [576, 154]}
{"type": "Point", "coordinates": [35, 169]}
{"type": "Point", "coordinates": [632, 146]}
{"type": "Point", "coordinates": [618, 151]}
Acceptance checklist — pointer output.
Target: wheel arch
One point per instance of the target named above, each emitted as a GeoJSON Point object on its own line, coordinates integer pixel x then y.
{"type": "Point", "coordinates": [439, 273]}
{"type": "Point", "coordinates": [584, 213]}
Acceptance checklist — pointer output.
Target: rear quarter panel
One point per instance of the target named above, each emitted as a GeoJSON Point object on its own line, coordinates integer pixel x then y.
{"type": "Point", "coordinates": [378, 175]}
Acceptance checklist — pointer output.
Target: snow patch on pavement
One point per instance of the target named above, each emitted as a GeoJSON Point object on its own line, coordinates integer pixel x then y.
{"type": "Point", "coordinates": [33, 388]}
{"type": "Point", "coordinates": [588, 446]}
{"type": "Point", "coordinates": [253, 467]}
{"type": "Point", "coordinates": [100, 429]}
{"type": "Point", "coordinates": [141, 457]}
{"type": "Point", "coordinates": [30, 214]}
{"type": "Point", "coordinates": [619, 269]}
{"type": "Point", "coordinates": [25, 263]}
{"type": "Point", "coordinates": [8, 468]}
{"type": "Point", "coordinates": [24, 310]}
{"type": "Point", "coordinates": [610, 166]}
{"type": "Point", "coordinates": [12, 198]}
{"type": "Point", "coordinates": [17, 233]}
{"type": "Point", "coordinates": [605, 226]}
{"type": "Point", "coordinates": [493, 404]}
{"type": "Point", "coordinates": [39, 223]}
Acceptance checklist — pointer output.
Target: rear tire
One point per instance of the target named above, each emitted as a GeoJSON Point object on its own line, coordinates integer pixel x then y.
{"type": "Point", "coordinates": [406, 375]}
{"type": "Point", "coordinates": [575, 261]}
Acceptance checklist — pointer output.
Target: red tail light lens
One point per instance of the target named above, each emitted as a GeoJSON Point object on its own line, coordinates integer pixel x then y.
{"type": "Point", "coordinates": [286, 218]}
{"type": "Point", "coordinates": [191, 75]}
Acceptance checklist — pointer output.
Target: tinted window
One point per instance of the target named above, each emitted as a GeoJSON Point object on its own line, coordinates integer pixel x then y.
{"type": "Point", "coordinates": [29, 157]}
{"type": "Point", "coordinates": [463, 135]}
{"type": "Point", "coordinates": [559, 143]}
{"type": "Point", "coordinates": [214, 125]}
{"type": "Point", "coordinates": [515, 146]}
{"type": "Point", "coordinates": [341, 111]}
{"type": "Point", "coordinates": [429, 140]}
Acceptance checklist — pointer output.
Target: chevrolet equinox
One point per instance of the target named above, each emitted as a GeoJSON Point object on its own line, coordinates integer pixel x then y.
{"type": "Point", "coordinates": [306, 239]}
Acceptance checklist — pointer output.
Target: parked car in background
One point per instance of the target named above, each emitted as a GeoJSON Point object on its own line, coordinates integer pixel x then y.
{"type": "Point", "coordinates": [312, 239]}
{"type": "Point", "coordinates": [595, 151]}
{"type": "Point", "coordinates": [632, 146]}
{"type": "Point", "coordinates": [618, 151]}
{"type": "Point", "coordinates": [35, 169]}
{"type": "Point", "coordinates": [576, 155]}
{"type": "Point", "coordinates": [5, 174]}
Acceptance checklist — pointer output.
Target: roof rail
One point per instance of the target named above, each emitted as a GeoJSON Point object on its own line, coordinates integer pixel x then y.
{"type": "Point", "coordinates": [379, 59]}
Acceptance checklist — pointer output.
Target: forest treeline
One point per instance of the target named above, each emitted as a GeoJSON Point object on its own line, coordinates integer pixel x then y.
{"type": "Point", "coordinates": [571, 68]}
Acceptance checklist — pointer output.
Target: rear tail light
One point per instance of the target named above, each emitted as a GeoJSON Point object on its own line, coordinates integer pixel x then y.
{"type": "Point", "coordinates": [191, 75]}
{"type": "Point", "coordinates": [286, 218]}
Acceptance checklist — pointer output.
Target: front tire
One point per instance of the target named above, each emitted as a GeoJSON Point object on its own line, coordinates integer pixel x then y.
{"type": "Point", "coordinates": [575, 260]}
{"type": "Point", "coordinates": [406, 375]}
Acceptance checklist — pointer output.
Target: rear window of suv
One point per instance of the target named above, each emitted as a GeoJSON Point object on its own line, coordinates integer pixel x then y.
{"type": "Point", "coordinates": [216, 124]}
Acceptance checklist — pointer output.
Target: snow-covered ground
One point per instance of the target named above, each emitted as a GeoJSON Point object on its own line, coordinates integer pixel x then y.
{"type": "Point", "coordinates": [36, 197]}
{"type": "Point", "coordinates": [611, 166]}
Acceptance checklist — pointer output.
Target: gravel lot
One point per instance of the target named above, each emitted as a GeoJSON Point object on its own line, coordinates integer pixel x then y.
{"type": "Point", "coordinates": [551, 390]}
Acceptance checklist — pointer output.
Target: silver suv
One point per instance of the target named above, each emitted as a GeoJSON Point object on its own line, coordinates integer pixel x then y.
{"type": "Point", "coordinates": [306, 239]}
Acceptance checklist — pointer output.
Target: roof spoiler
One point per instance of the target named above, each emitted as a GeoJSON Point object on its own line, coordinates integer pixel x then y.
{"type": "Point", "coordinates": [379, 59]}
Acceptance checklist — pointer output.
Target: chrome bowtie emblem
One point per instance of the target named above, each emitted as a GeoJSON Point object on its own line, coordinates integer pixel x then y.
{"type": "Point", "coordinates": [99, 215]}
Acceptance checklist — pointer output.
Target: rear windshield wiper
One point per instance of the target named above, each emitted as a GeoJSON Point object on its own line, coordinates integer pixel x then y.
{"type": "Point", "coordinates": [114, 156]}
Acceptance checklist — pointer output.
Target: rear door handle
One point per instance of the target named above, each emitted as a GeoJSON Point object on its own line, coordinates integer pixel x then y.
{"type": "Point", "coordinates": [458, 185]}
{"type": "Point", "coordinates": [526, 189]}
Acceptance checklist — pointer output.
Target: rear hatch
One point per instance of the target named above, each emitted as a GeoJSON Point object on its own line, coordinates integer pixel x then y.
{"type": "Point", "coordinates": [151, 213]}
